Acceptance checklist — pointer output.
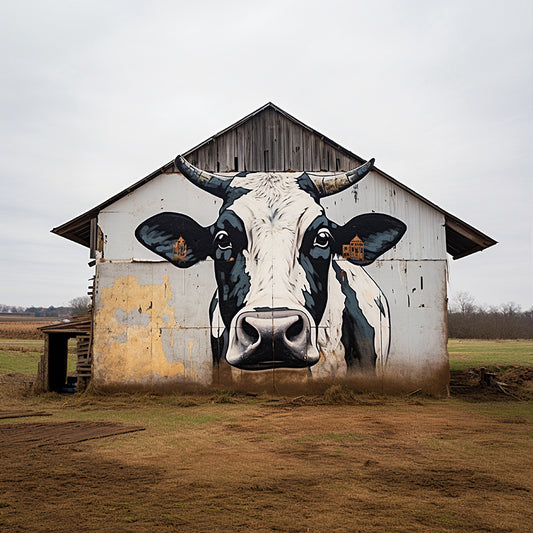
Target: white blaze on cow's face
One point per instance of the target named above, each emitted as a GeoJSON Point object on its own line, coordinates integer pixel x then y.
{"type": "Point", "coordinates": [276, 213]}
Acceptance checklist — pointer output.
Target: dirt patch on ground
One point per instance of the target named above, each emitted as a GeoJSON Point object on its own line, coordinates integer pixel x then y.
{"type": "Point", "coordinates": [37, 434]}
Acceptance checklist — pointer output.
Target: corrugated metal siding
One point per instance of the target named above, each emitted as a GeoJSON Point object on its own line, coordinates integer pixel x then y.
{"type": "Point", "coordinates": [166, 192]}
{"type": "Point", "coordinates": [425, 237]}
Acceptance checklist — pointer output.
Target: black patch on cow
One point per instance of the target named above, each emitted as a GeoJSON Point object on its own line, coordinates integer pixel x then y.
{"type": "Point", "coordinates": [230, 266]}
{"type": "Point", "coordinates": [315, 261]}
{"type": "Point", "coordinates": [306, 184]}
{"type": "Point", "coordinates": [232, 194]}
{"type": "Point", "coordinates": [378, 232]}
{"type": "Point", "coordinates": [161, 232]}
{"type": "Point", "coordinates": [379, 303]}
{"type": "Point", "coordinates": [357, 334]}
{"type": "Point", "coordinates": [242, 174]}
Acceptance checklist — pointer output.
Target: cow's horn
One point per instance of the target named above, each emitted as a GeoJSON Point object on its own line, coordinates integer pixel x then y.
{"type": "Point", "coordinates": [327, 185]}
{"type": "Point", "coordinates": [211, 183]}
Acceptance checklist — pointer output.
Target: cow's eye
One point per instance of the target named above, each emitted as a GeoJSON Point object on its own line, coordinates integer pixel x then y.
{"type": "Point", "coordinates": [222, 240]}
{"type": "Point", "coordinates": [322, 239]}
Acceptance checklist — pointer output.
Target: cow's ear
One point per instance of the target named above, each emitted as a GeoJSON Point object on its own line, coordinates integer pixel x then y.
{"type": "Point", "coordinates": [175, 237]}
{"type": "Point", "coordinates": [364, 238]}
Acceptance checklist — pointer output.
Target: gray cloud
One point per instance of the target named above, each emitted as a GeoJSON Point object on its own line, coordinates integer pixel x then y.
{"type": "Point", "coordinates": [95, 95]}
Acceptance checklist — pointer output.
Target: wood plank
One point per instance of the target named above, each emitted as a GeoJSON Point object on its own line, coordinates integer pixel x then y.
{"type": "Point", "coordinates": [22, 414]}
{"type": "Point", "coordinates": [317, 144]}
{"type": "Point", "coordinates": [38, 434]}
{"type": "Point", "coordinates": [277, 145]}
{"type": "Point", "coordinates": [239, 149]}
{"type": "Point", "coordinates": [248, 145]}
{"type": "Point", "coordinates": [307, 148]}
{"type": "Point", "coordinates": [265, 145]}
{"type": "Point", "coordinates": [226, 153]}
{"type": "Point", "coordinates": [257, 163]}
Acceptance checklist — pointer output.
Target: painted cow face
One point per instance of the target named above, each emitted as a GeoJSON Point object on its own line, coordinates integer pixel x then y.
{"type": "Point", "coordinates": [272, 247]}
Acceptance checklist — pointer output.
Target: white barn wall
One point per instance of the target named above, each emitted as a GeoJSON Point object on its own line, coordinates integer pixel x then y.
{"type": "Point", "coordinates": [130, 279]}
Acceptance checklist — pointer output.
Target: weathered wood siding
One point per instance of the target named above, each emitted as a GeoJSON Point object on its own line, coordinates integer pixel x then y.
{"type": "Point", "coordinates": [270, 142]}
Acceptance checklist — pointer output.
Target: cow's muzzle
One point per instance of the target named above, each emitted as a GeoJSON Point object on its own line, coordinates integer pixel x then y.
{"type": "Point", "coordinates": [263, 339]}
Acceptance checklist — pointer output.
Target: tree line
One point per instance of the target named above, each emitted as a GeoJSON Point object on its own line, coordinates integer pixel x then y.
{"type": "Point", "coordinates": [468, 320]}
{"type": "Point", "coordinates": [76, 307]}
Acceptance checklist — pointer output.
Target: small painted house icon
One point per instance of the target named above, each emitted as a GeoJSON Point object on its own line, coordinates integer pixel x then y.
{"type": "Point", "coordinates": [179, 250]}
{"type": "Point", "coordinates": [354, 250]}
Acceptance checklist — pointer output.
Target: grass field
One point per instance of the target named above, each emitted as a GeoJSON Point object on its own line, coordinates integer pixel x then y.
{"type": "Point", "coordinates": [466, 353]}
{"type": "Point", "coordinates": [23, 355]}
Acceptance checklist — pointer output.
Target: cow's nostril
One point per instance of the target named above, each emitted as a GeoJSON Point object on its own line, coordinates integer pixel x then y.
{"type": "Point", "coordinates": [295, 330]}
{"type": "Point", "coordinates": [250, 331]}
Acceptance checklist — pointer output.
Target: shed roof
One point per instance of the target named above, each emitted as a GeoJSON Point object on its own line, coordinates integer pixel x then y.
{"type": "Point", "coordinates": [76, 326]}
{"type": "Point", "coordinates": [269, 139]}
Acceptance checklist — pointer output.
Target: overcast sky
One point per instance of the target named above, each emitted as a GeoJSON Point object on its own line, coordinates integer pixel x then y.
{"type": "Point", "coordinates": [95, 95]}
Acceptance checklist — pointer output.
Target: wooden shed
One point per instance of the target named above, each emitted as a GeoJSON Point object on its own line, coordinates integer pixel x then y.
{"type": "Point", "coordinates": [166, 269]}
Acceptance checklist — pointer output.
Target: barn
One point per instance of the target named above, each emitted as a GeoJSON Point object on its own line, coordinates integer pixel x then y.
{"type": "Point", "coordinates": [270, 258]}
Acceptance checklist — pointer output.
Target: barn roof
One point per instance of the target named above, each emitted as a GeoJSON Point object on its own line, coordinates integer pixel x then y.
{"type": "Point", "coordinates": [269, 139]}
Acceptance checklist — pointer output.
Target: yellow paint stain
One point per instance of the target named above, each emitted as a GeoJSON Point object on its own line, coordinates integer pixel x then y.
{"type": "Point", "coordinates": [134, 353]}
{"type": "Point", "coordinates": [192, 373]}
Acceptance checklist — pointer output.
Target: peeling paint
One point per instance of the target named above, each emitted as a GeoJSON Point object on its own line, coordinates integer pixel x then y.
{"type": "Point", "coordinates": [122, 338]}
{"type": "Point", "coordinates": [133, 350]}
{"type": "Point", "coordinates": [134, 317]}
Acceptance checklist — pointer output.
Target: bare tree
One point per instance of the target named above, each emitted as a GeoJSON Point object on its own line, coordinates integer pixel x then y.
{"type": "Point", "coordinates": [464, 302]}
{"type": "Point", "coordinates": [80, 306]}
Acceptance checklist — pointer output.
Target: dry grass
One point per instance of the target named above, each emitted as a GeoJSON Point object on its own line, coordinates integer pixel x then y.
{"type": "Point", "coordinates": [23, 329]}
{"type": "Point", "coordinates": [262, 464]}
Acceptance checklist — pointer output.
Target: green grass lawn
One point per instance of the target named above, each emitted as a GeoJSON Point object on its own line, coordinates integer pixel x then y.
{"type": "Point", "coordinates": [23, 355]}
{"type": "Point", "coordinates": [466, 353]}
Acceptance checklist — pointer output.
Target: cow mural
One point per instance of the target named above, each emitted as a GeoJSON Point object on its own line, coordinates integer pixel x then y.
{"type": "Point", "coordinates": [285, 299]}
